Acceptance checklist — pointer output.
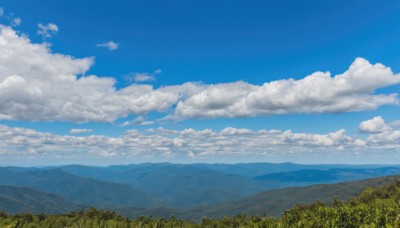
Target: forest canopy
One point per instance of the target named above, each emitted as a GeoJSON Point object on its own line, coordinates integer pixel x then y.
{"type": "Point", "coordinates": [373, 207]}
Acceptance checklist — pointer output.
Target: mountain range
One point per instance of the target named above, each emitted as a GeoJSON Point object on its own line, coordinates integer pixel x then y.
{"type": "Point", "coordinates": [189, 191]}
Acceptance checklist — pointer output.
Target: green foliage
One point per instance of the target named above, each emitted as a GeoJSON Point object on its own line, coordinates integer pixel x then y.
{"type": "Point", "coordinates": [379, 207]}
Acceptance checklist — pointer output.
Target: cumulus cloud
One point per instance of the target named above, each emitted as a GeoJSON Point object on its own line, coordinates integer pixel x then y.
{"type": "Point", "coordinates": [39, 85]}
{"type": "Point", "coordinates": [317, 93]}
{"type": "Point", "coordinates": [36, 84]}
{"type": "Point", "coordinates": [388, 139]}
{"type": "Point", "coordinates": [47, 31]}
{"type": "Point", "coordinates": [79, 130]}
{"type": "Point", "coordinates": [381, 135]}
{"type": "Point", "coordinates": [187, 143]}
{"type": "Point", "coordinates": [110, 45]}
{"type": "Point", "coordinates": [374, 125]}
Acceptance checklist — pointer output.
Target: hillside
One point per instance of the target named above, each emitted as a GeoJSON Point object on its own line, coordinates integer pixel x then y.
{"type": "Point", "coordinates": [329, 175]}
{"type": "Point", "coordinates": [78, 189]}
{"type": "Point", "coordinates": [193, 187]}
{"type": "Point", "coordinates": [275, 202]}
{"type": "Point", "coordinates": [373, 207]}
{"type": "Point", "coordinates": [180, 185]}
{"type": "Point", "coordinates": [272, 202]}
{"type": "Point", "coordinates": [27, 200]}
{"type": "Point", "coordinates": [264, 168]}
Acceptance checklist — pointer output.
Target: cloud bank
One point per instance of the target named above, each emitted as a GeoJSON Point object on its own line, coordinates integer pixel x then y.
{"type": "Point", "coordinates": [160, 142]}
{"type": "Point", "coordinates": [39, 85]}
{"type": "Point", "coordinates": [190, 144]}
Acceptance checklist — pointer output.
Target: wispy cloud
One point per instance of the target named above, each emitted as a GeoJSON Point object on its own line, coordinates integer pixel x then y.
{"type": "Point", "coordinates": [142, 76]}
{"type": "Point", "coordinates": [47, 31]}
{"type": "Point", "coordinates": [140, 120]}
{"type": "Point", "coordinates": [110, 45]}
{"type": "Point", "coordinates": [16, 22]}
{"type": "Point", "coordinates": [13, 21]}
{"type": "Point", "coordinates": [79, 130]}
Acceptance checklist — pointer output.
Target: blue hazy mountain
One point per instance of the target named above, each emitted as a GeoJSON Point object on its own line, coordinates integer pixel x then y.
{"type": "Point", "coordinates": [28, 200]}
{"type": "Point", "coordinates": [329, 175]}
{"type": "Point", "coordinates": [182, 185]}
{"type": "Point", "coordinates": [79, 189]}
{"type": "Point", "coordinates": [271, 202]}
{"type": "Point", "coordinates": [166, 185]}
{"type": "Point", "coordinates": [179, 185]}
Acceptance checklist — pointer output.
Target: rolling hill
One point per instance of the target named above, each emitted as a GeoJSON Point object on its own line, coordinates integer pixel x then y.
{"type": "Point", "coordinates": [193, 187]}
{"type": "Point", "coordinates": [272, 202]}
{"type": "Point", "coordinates": [78, 189]}
{"type": "Point", "coordinates": [179, 185]}
{"type": "Point", "coordinates": [329, 175]}
{"type": "Point", "coordinates": [27, 200]}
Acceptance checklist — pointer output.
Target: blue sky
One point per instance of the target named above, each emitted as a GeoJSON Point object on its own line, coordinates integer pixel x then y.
{"type": "Point", "coordinates": [142, 81]}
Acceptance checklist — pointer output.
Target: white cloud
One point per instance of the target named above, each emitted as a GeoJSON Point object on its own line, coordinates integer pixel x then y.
{"type": "Point", "coordinates": [110, 45]}
{"type": "Point", "coordinates": [374, 125]}
{"type": "Point", "coordinates": [1, 11]}
{"type": "Point", "coordinates": [234, 131]}
{"type": "Point", "coordinates": [381, 135]}
{"type": "Point", "coordinates": [386, 139]}
{"type": "Point", "coordinates": [317, 93]}
{"type": "Point", "coordinates": [143, 77]}
{"type": "Point", "coordinates": [79, 130]}
{"type": "Point", "coordinates": [395, 124]}
{"type": "Point", "coordinates": [16, 22]}
{"type": "Point", "coordinates": [36, 84]}
{"type": "Point", "coordinates": [186, 144]}
{"type": "Point", "coordinates": [47, 31]}
{"type": "Point", "coordinates": [39, 85]}
{"type": "Point", "coordinates": [140, 120]}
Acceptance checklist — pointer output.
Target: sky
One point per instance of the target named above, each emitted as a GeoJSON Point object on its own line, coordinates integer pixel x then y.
{"type": "Point", "coordinates": [117, 82]}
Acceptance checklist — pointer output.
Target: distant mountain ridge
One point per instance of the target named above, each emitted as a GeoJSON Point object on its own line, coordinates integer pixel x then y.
{"type": "Point", "coordinates": [180, 185]}
{"type": "Point", "coordinates": [78, 189]}
{"type": "Point", "coordinates": [28, 200]}
{"type": "Point", "coordinates": [164, 187]}
{"type": "Point", "coordinates": [328, 175]}
{"type": "Point", "coordinates": [272, 202]}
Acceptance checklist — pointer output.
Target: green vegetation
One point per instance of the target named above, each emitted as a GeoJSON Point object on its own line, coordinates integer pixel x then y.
{"type": "Point", "coordinates": [17, 200]}
{"type": "Point", "coordinates": [272, 202]}
{"type": "Point", "coordinates": [374, 207]}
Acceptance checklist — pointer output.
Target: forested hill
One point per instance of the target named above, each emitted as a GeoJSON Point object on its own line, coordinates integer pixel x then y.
{"type": "Point", "coordinates": [378, 207]}
{"type": "Point", "coordinates": [272, 202]}
{"type": "Point", "coordinates": [23, 200]}
{"type": "Point", "coordinates": [78, 189]}
{"type": "Point", "coordinates": [189, 191]}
